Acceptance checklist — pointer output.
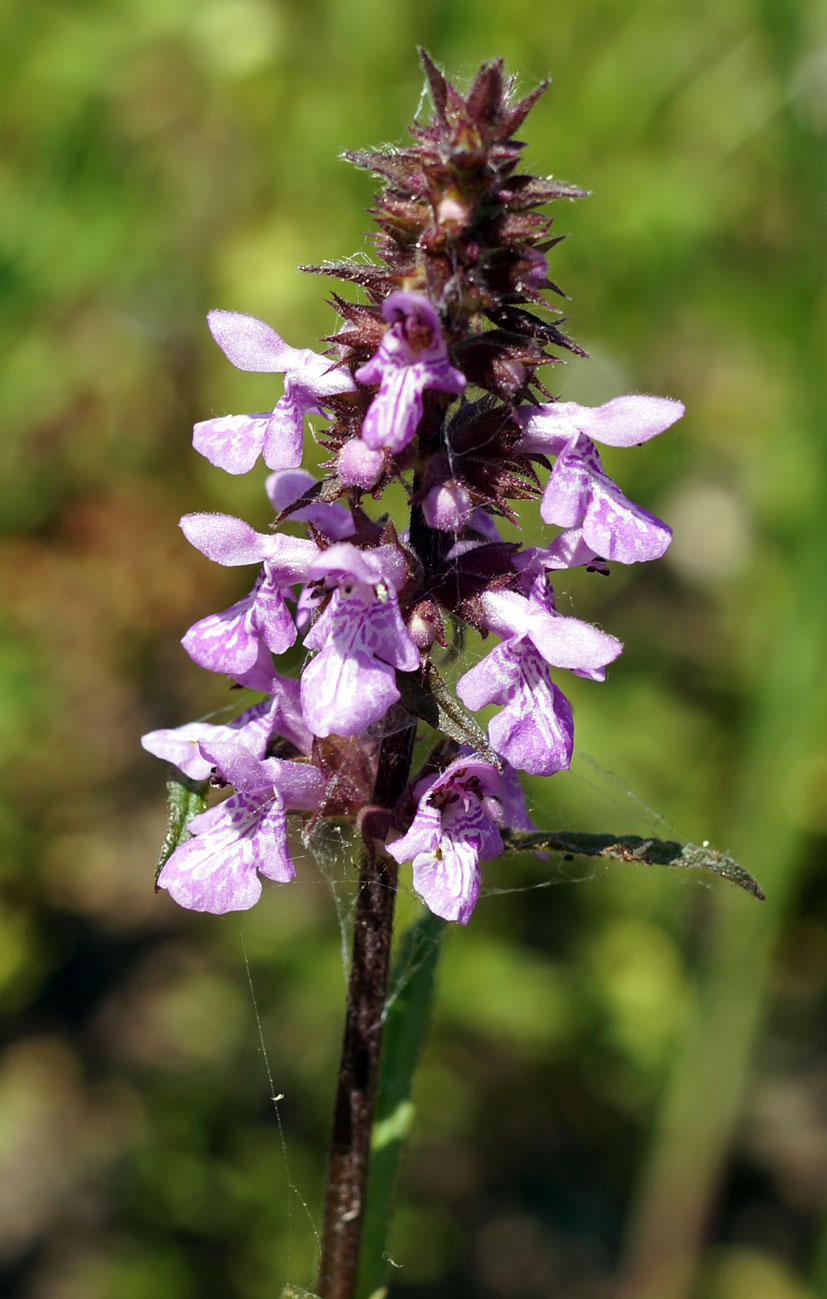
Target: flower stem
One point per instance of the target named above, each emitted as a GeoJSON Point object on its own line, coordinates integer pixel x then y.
{"type": "Point", "coordinates": [362, 1044]}
{"type": "Point", "coordinates": [409, 1006]}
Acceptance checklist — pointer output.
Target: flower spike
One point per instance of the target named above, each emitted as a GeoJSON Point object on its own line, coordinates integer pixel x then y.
{"type": "Point", "coordinates": [430, 383]}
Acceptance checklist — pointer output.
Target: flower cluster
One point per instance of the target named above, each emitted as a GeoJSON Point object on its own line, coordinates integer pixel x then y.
{"type": "Point", "coordinates": [430, 381]}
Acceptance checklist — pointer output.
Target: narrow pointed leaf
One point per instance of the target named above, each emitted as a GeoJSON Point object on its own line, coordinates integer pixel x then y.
{"type": "Point", "coordinates": [437, 84]}
{"type": "Point", "coordinates": [432, 700]}
{"type": "Point", "coordinates": [631, 848]}
{"type": "Point", "coordinates": [185, 799]}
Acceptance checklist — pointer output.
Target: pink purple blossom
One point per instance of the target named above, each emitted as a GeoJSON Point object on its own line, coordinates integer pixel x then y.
{"type": "Point", "coordinates": [411, 357]}
{"type": "Point", "coordinates": [243, 838]}
{"type": "Point", "coordinates": [361, 640]}
{"type": "Point", "coordinates": [460, 222]}
{"type": "Point", "coordinates": [234, 442]}
{"type": "Point", "coordinates": [253, 729]}
{"type": "Point", "coordinates": [564, 642]}
{"type": "Point", "coordinates": [534, 730]}
{"type": "Point", "coordinates": [286, 486]}
{"type": "Point", "coordinates": [230, 641]}
{"type": "Point", "coordinates": [579, 492]}
{"type": "Point", "coordinates": [455, 827]}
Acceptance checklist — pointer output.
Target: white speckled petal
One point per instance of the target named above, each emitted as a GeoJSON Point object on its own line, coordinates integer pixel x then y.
{"type": "Point", "coordinates": [534, 732]}
{"type": "Point", "coordinates": [626, 421]}
{"type": "Point", "coordinates": [231, 442]}
{"type": "Point", "coordinates": [620, 531]}
{"type": "Point", "coordinates": [423, 835]}
{"type": "Point", "coordinates": [180, 745]}
{"type": "Point", "coordinates": [216, 870]}
{"type": "Point", "coordinates": [225, 642]}
{"type": "Point", "coordinates": [567, 491]}
{"type": "Point", "coordinates": [396, 410]}
{"type": "Point", "coordinates": [449, 881]}
{"type": "Point", "coordinates": [251, 344]}
{"type": "Point", "coordinates": [225, 539]}
{"type": "Point", "coordinates": [345, 689]}
{"type": "Point", "coordinates": [351, 682]}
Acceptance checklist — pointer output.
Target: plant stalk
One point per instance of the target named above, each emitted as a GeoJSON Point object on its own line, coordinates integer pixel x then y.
{"type": "Point", "coordinates": [353, 1112]}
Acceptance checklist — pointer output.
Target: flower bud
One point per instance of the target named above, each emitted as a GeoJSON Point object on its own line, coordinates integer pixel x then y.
{"type": "Point", "coordinates": [424, 625]}
{"type": "Point", "coordinates": [359, 466]}
{"type": "Point", "coordinates": [447, 507]}
{"type": "Point", "coordinates": [452, 212]}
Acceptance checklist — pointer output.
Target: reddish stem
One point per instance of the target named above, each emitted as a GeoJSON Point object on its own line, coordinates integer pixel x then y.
{"type": "Point", "coordinates": [362, 1045]}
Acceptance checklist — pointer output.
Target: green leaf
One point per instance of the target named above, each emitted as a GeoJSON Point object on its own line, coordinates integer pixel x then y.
{"type": "Point", "coordinates": [185, 800]}
{"type": "Point", "coordinates": [631, 848]}
{"type": "Point", "coordinates": [409, 1005]}
{"type": "Point", "coordinates": [432, 700]}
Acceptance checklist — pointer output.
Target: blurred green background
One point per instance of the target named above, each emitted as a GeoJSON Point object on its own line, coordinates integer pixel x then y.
{"type": "Point", "coordinates": [625, 1090]}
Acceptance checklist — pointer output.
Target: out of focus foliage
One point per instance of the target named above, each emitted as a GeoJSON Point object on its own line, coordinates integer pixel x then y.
{"type": "Point", "coordinates": [624, 1092]}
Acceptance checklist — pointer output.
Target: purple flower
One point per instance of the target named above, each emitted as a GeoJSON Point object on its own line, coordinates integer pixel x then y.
{"type": "Point", "coordinates": [234, 442]}
{"type": "Point", "coordinates": [622, 422]}
{"type": "Point", "coordinates": [230, 641]}
{"type": "Point", "coordinates": [361, 638]}
{"type": "Point", "coordinates": [286, 486]}
{"type": "Point", "coordinates": [567, 550]}
{"type": "Point", "coordinates": [510, 796]}
{"type": "Point", "coordinates": [253, 729]}
{"type": "Point", "coordinates": [262, 675]}
{"type": "Point", "coordinates": [534, 731]}
{"type": "Point", "coordinates": [244, 837]}
{"type": "Point", "coordinates": [613, 526]}
{"type": "Point", "coordinates": [411, 357]}
{"type": "Point", "coordinates": [563, 642]}
{"type": "Point", "coordinates": [579, 490]}
{"type": "Point", "coordinates": [455, 827]}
